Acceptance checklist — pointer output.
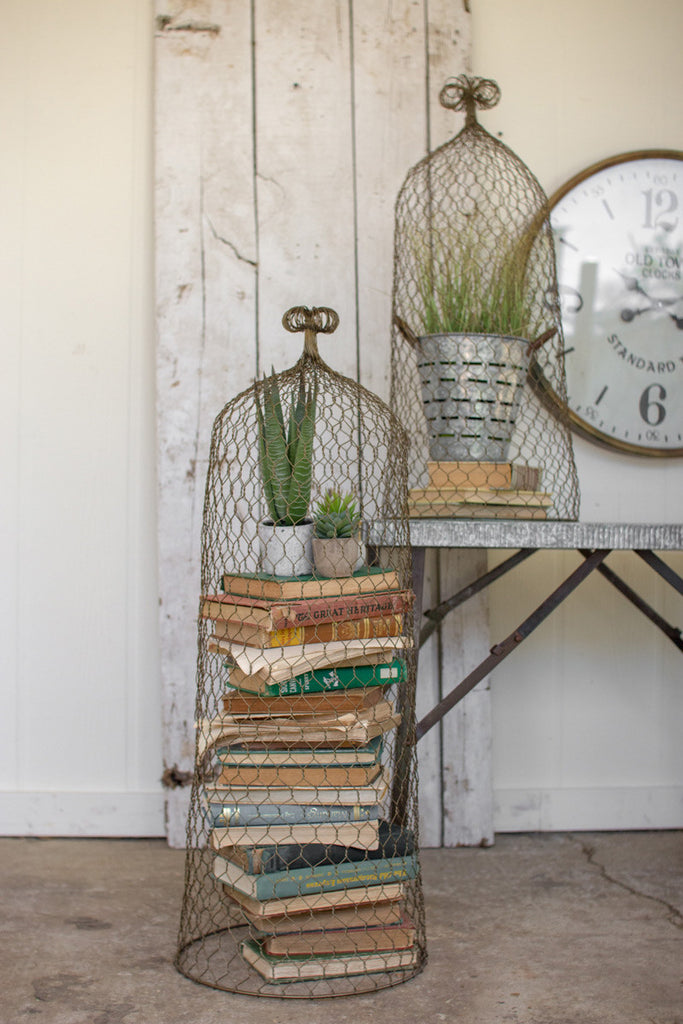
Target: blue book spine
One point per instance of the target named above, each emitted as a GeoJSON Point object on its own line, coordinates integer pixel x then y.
{"type": "Point", "coordinates": [327, 877]}
{"type": "Point", "coordinates": [288, 814]}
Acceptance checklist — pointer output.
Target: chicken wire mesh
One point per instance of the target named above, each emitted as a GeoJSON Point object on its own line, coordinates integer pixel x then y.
{"type": "Point", "coordinates": [476, 321]}
{"type": "Point", "coordinates": [302, 872]}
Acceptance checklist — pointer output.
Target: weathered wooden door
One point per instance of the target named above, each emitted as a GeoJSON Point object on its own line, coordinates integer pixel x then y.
{"type": "Point", "coordinates": [283, 133]}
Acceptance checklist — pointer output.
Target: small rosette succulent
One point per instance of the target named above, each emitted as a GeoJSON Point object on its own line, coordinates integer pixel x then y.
{"type": "Point", "coordinates": [336, 515]}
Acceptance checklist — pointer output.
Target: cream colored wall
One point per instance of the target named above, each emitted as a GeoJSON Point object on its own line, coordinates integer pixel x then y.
{"type": "Point", "coordinates": [79, 694]}
{"type": "Point", "coordinates": [588, 715]}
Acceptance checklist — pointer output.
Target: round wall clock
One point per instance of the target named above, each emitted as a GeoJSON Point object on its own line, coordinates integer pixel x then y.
{"type": "Point", "coordinates": [618, 231]}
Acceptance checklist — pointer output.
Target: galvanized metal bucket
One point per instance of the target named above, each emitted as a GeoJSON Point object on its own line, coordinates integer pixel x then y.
{"type": "Point", "coordinates": [471, 388]}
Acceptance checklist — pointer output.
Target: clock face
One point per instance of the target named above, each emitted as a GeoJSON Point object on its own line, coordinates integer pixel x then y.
{"type": "Point", "coordinates": [618, 231]}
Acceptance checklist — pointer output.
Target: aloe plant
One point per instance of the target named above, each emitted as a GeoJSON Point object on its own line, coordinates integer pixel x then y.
{"type": "Point", "coordinates": [286, 450]}
{"type": "Point", "coordinates": [336, 515]}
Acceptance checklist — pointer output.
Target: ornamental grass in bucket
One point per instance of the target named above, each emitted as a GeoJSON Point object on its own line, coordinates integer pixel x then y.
{"type": "Point", "coordinates": [476, 320]}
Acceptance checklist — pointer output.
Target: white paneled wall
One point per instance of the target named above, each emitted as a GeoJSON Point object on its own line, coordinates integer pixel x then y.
{"type": "Point", "coordinates": [284, 132]}
{"type": "Point", "coordinates": [79, 697]}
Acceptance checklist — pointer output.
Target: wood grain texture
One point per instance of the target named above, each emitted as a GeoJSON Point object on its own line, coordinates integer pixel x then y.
{"type": "Point", "coordinates": [206, 309]}
{"type": "Point", "coordinates": [304, 158]}
{"type": "Point", "coordinates": [466, 729]}
{"type": "Point", "coordinates": [283, 134]}
{"type": "Point", "coordinates": [429, 749]}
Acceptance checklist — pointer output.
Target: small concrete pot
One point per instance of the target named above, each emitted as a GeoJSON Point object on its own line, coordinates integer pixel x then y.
{"type": "Point", "coordinates": [286, 550]}
{"type": "Point", "coordinates": [337, 556]}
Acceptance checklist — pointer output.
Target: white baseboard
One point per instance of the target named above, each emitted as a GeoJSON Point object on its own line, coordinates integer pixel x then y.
{"type": "Point", "coordinates": [125, 814]}
{"type": "Point", "coordinates": [114, 814]}
{"type": "Point", "coordinates": [590, 809]}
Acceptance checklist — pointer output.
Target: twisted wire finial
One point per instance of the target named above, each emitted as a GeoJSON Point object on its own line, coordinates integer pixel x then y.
{"type": "Point", "coordinates": [465, 93]}
{"type": "Point", "coordinates": [317, 320]}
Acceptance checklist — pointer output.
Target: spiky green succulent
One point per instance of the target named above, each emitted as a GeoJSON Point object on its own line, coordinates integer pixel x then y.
{"type": "Point", "coordinates": [336, 515]}
{"type": "Point", "coordinates": [286, 450]}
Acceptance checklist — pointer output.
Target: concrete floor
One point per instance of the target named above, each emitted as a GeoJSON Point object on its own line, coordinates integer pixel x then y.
{"type": "Point", "coordinates": [552, 929]}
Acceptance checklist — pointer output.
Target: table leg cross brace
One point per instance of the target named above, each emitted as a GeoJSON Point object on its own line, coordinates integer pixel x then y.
{"type": "Point", "coordinates": [501, 650]}
{"type": "Point", "coordinates": [673, 633]}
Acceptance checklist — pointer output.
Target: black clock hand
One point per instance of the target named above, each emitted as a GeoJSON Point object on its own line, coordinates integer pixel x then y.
{"type": "Point", "coordinates": [630, 314]}
{"type": "Point", "coordinates": [634, 285]}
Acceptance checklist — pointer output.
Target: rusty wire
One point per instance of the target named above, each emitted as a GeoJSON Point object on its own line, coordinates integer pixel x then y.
{"type": "Point", "coordinates": [474, 272]}
{"type": "Point", "coordinates": [360, 447]}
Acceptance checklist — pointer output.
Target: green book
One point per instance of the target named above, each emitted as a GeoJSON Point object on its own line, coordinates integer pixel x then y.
{"type": "Point", "coordinates": [323, 878]}
{"type": "Point", "coordinates": [343, 677]}
{"type": "Point", "coordinates": [317, 867]}
{"type": "Point", "coordinates": [301, 967]}
{"type": "Point", "coordinates": [368, 753]}
{"type": "Point", "coordinates": [262, 585]}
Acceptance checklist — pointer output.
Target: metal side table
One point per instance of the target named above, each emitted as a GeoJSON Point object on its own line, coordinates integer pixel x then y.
{"type": "Point", "coordinates": [592, 541]}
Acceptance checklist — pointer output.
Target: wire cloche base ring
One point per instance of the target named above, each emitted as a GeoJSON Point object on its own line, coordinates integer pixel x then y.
{"type": "Point", "coordinates": [302, 874]}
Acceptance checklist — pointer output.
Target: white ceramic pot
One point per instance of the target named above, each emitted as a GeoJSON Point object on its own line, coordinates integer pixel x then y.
{"type": "Point", "coordinates": [337, 556]}
{"type": "Point", "coordinates": [286, 550]}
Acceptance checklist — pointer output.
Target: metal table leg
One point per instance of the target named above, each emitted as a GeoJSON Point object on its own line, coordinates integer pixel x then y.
{"type": "Point", "coordinates": [501, 650]}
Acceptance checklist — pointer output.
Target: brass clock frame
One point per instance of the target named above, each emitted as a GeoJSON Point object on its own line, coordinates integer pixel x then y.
{"type": "Point", "coordinates": [536, 374]}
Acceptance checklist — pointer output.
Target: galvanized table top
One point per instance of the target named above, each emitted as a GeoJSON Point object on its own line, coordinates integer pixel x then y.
{"type": "Point", "coordinates": [509, 533]}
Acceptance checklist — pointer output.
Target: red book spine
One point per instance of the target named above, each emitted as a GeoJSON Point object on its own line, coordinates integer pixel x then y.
{"type": "Point", "coordinates": [310, 611]}
{"type": "Point", "coordinates": [338, 609]}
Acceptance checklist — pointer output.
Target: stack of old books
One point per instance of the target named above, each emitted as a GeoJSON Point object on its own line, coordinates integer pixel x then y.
{"type": "Point", "coordinates": [480, 490]}
{"type": "Point", "coordinates": [299, 780]}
